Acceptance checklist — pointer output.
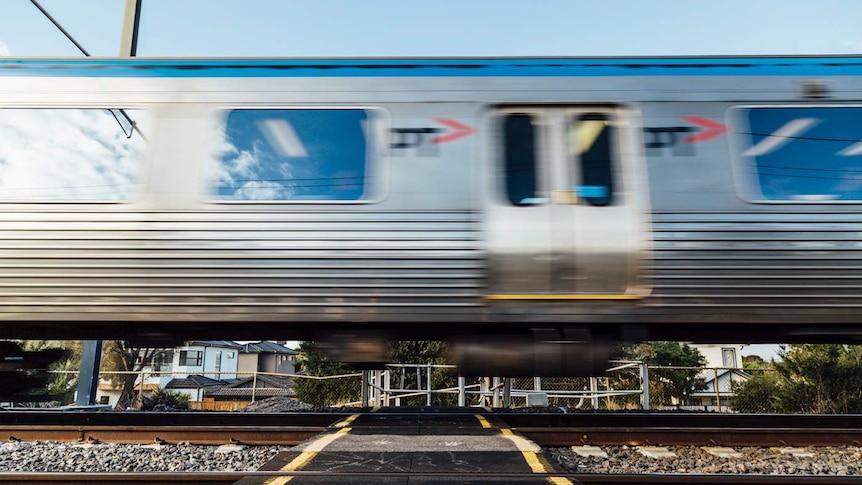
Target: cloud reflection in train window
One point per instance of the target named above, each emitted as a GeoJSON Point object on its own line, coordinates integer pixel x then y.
{"type": "Point", "coordinates": [65, 155]}
{"type": "Point", "coordinates": [292, 155]}
{"type": "Point", "coordinates": [803, 154]}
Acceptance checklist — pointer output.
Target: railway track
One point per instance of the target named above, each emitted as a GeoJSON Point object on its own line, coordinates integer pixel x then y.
{"type": "Point", "coordinates": [229, 478]}
{"type": "Point", "coordinates": [544, 429]}
{"type": "Point", "coordinates": [547, 430]}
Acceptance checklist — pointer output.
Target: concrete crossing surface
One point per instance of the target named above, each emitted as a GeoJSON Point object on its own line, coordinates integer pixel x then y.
{"type": "Point", "coordinates": [408, 446]}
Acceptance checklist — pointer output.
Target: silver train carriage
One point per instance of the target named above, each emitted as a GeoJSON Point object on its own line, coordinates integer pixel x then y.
{"type": "Point", "coordinates": [482, 200]}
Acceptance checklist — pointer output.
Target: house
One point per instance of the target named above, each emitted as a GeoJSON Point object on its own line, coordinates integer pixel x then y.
{"type": "Point", "coordinates": [723, 368]}
{"type": "Point", "coordinates": [195, 387]}
{"type": "Point", "coordinates": [217, 359]}
{"type": "Point", "coordinates": [267, 357]}
{"type": "Point", "coordinates": [200, 368]}
{"type": "Point", "coordinates": [721, 355]}
{"type": "Point", "coordinates": [213, 359]}
{"type": "Point", "coordinates": [239, 394]}
{"type": "Point", "coordinates": [718, 393]}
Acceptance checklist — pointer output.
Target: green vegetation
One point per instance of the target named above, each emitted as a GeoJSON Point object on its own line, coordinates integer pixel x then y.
{"type": "Point", "coordinates": [822, 378]}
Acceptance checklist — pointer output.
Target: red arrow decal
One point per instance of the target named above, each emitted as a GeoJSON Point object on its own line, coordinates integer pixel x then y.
{"type": "Point", "coordinates": [461, 130]}
{"type": "Point", "coordinates": [711, 129]}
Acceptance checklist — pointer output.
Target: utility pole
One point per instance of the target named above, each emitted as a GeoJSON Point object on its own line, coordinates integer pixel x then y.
{"type": "Point", "coordinates": [91, 353]}
{"type": "Point", "coordinates": [131, 22]}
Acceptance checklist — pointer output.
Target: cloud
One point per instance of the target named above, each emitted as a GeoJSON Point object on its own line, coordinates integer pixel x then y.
{"type": "Point", "coordinates": [4, 49]}
{"type": "Point", "coordinates": [247, 174]}
{"type": "Point", "coordinates": [68, 154]}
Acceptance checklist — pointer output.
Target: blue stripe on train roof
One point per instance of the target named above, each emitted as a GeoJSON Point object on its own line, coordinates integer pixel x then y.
{"type": "Point", "coordinates": [465, 67]}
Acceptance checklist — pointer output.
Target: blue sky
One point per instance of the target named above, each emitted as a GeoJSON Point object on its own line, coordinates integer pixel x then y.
{"type": "Point", "coordinates": [184, 28]}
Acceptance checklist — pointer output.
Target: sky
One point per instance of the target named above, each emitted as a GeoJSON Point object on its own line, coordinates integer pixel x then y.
{"type": "Point", "coordinates": [408, 28]}
{"type": "Point", "coordinates": [326, 28]}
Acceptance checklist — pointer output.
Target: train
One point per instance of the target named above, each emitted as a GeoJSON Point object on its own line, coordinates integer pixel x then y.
{"type": "Point", "coordinates": [514, 205]}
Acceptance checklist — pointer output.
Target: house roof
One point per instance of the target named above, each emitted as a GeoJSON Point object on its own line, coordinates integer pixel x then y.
{"type": "Point", "coordinates": [265, 385]}
{"type": "Point", "coordinates": [267, 347]}
{"type": "Point", "coordinates": [194, 382]}
{"type": "Point", "coordinates": [229, 344]}
{"type": "Point", "coordinates": [726, 378]}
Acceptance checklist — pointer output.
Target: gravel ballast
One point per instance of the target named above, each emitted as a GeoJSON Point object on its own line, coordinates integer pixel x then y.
{"type": "Point", "coordinates": [65, 457]}
{"type": "Point", "coordinates": [690, 459]}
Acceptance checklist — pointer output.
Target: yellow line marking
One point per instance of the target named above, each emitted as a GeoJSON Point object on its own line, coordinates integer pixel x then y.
{"type": "Point", "coordinates": [523, 444]}
{"type": "Point", "coordinates": [564, 297]}
{"type": "Point", "coordinates": [530, 451]}
{"type": "Point", "coordinates": [484, 422]}
{"type": "Point", "coordinates": [344, 422]}
{"type": "Point", "coordinates": [306, 456]}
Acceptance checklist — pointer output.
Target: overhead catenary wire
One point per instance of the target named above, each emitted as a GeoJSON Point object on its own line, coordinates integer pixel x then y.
{"type": "Point", "coordinates": [54, 21]}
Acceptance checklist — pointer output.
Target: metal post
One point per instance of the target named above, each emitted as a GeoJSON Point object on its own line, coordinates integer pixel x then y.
{"type": "Point", "coordinates": [365, 385]}
{"type": "Point", "coordinates": [537, 383]}
{"type": "Point", "coordinates": [253, 386]}
{"type": "Point", "coordinates": [507, 392]}
{"type": "Point", "coordinates": [378, 396]}
{"type": "Point", "coordinates": [88, 377]}
{"type": "Point", "coordinates": [496, 401]}
{"type": "Point", "coordinates": [644, 386]}
{"type": "Point", "coordinates": [717, 389]}
{"type": "Point", "coordinates": [386, 383]}
{"type": "Point", "coordinates": [131, 22]}
{"type": "Point", "coordinates": [141, 390]}
{"type": "Point", "coordinates": [428, 380]}
{"type": "Point", "coordinates": [594, 391]}
{"type": "Point", "coordinates": [462, 391]}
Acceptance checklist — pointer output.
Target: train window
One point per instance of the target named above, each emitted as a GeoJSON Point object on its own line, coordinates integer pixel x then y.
{"type": "Point", "coordinates": [590, 140]}
{"type": "Point", "coordinates": [69, 155]}
{"type": "Point", "coordinates": [519, 155]}
{"type": "Point", "coordinates": [800, 154]}
{"type": "Point", "coordinates": [294, 155]}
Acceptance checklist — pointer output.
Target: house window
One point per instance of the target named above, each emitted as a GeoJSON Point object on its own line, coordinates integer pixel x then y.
{"type": "Point", "coordinates": [70, 155]}
{"type": "Point", "coordinates": [218, 361]}
{"type": "Point", "coordinates": [191, 358]}
{"type": "Point", "coordinates": [728, 357]}
{"type": "Point", "coordinates": [295, 155]}
{"type": "Point", "coordinates": [519, 158]}
{"type": "Point", "coordinates": [162, 361]}
{"type": "Point", "coordinates": [800, 153]}
{"type": "Point", "coordinates": [104, 400]}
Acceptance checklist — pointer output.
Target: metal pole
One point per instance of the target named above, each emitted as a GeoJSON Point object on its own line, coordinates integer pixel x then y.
{"type": "Point", "coordinates": [131, 23]}
{"type": "Point", "coordinates": [507, 392]}
{"type": "Point", "coordinates": [496, 401]}
{"type": "Point", "coordinates": [428, 380]}
{"type": "Point", "coordinates": [644, 386]}
{"type": "Point", "coordinates": [594, 390]}
{"type": "Point", "coordinates": [88, 377]}
{"type": "Point", "coordinates": [365, 384]}
{"type": "Point", "coordinates": [462, 391]}
{"type": "Point", "coordinates": [253, 386]}
{"type": "Point", "coordinates": [717, 390]}
{"type": "Point", "coordinates": [386, 384]}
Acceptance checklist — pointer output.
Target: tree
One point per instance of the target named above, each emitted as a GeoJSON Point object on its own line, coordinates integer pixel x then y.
{"type": "Point", "coordinates": [426, 352]}
{"type": "Point", "coordinates": [671, 383]}
{"type": "Point", "coordinates": [36, 375]}
{"type": "Point", "coordinates": [121, 355]}
{"type": "Point", "coordinates": [312, 361]}
{"type": "Point", "coordinates": [809, 378]}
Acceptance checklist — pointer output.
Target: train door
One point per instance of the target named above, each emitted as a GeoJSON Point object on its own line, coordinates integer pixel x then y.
{"type": "Point", "coordinates": [568, 218]}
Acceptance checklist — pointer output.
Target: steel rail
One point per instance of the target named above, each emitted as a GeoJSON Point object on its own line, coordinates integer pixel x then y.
{"type": "Point", "coordinates": [219, 478]}
{"type": "Point", "coordinates": [544, 429]}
